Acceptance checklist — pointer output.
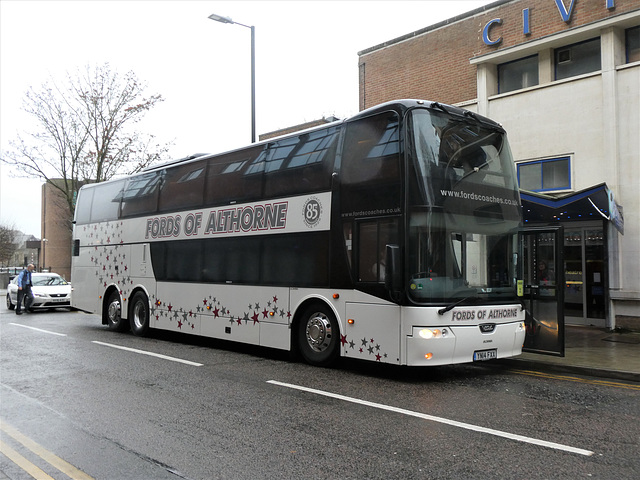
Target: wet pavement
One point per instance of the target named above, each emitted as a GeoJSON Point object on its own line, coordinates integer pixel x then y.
{"type": "Point", "coordinates": [591, 351]}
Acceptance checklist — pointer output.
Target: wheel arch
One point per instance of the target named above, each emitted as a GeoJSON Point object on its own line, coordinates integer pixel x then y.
{"type": "Point", "coordinates": [136, 289]}
{"type": "Point", "coordinates": [105, 301]}
{"type": "Point", "coordinates": [298, 315]}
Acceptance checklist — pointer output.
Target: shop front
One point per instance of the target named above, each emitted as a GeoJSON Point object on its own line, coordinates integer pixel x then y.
{"type": "Point", "coordinates": [585, 218]}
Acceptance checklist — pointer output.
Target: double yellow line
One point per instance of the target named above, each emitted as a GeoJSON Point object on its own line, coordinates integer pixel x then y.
{"type": "Point", "coordinates": [603, 383]}
{"type": "Point", "coordinates": [33, 470]}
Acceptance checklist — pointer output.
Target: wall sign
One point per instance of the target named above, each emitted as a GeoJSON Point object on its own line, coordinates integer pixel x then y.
{"type": "Point", "coordinates": [565, 13]}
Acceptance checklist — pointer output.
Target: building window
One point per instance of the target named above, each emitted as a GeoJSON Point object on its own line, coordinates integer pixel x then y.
{"type": "Point", "coordinates": [545, 175]}
{"type": "Point", "coordinates": [577, 59]}
{"type": "Point", "coordinates": [632, 44]}
{"type": "Point", "coordinates": [518, 74]}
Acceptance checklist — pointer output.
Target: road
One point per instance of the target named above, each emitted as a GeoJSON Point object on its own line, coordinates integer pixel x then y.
{"type": "Point", "coordinates": [79, 399]}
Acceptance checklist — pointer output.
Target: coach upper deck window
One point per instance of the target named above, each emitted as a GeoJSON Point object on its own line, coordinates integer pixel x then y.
{"type": "Point", "coordinates": [518, 74]}
{"type": "Point", "coordinates": [577, 59]}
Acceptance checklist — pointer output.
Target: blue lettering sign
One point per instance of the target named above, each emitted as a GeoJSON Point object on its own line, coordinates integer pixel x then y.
{"type": "Point", "coordinates": [564, 13]}
{"type": "Point", "coordinates": [487, 27]}
{"type": "Point", "coordinates": [525, 22]}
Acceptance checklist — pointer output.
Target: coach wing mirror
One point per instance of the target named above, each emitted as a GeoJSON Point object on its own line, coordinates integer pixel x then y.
{"type": "Point", "coordinates": [393, 269]}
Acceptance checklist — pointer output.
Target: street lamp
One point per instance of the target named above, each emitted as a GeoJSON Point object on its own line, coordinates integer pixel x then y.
{"type": "Point", "coordinates": [221, 19]}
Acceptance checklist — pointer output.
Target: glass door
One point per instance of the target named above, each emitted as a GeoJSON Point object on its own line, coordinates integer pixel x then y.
{"type": "Point", "coordinates": [585, 276]}
{"type": "Point", "coordinates": [543, 292]}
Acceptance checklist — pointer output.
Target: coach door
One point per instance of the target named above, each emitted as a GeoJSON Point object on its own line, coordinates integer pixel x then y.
{"type": "Point", "coordinates": [543, 289]}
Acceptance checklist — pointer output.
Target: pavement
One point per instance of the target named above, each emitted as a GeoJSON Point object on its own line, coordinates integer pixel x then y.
{"type": "Point", "coordinates": [589, 351]}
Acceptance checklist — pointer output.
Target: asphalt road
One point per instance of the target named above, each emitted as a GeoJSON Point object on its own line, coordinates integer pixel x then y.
{"type": "Point", "coordinates": [73, 400]}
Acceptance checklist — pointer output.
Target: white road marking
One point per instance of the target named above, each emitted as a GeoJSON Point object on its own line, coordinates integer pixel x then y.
{"type": "Point", "coordinates": [467, 426]}
{"type": "Point", "coordinates": [151, 354]}
{"type": "Point", "coordinates": [39, 329]}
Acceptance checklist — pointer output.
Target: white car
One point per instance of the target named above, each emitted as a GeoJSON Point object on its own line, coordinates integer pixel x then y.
{"type": "Point", "coordinates": [49, 290]}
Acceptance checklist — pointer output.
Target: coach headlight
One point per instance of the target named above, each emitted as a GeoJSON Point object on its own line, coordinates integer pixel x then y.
{"type": "Point", "coordinates": [428, 333]}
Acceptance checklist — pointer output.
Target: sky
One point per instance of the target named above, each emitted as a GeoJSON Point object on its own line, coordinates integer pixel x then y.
{"type": "Point", "coordinates": [306, 65]}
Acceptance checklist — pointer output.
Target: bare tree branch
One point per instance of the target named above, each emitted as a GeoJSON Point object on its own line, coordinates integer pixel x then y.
{"type": "Point", "coordinates": [85, 131]}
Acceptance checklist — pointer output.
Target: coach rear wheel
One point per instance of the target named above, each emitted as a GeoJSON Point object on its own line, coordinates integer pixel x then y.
{"type": "Point", "coordinates": [114, 314]}
{"type": "Point", "coordinates": [318, 336]}
{"type": "Point", "coordinates": [139, 317]}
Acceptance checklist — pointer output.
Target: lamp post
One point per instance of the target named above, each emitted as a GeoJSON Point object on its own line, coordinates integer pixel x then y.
{"type": "Point", "coordinates": [221, 19]}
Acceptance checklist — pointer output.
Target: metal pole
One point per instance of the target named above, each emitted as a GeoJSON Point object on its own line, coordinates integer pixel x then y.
{"type": "Point", "coordinates": [253, 84]}
{"type": "Point", "coordinates": [221, 19]}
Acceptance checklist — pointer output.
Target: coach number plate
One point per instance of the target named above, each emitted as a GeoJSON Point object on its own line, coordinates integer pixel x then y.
{"type": "Point", "coordinates": [481, 355]}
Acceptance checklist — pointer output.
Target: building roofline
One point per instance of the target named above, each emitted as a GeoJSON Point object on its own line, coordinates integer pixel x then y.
{"type": "Point", "coordinates": [435, 26]}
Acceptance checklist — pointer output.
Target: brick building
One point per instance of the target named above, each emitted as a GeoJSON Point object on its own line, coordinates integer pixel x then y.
{"type": "Point", "coordinates": [55, 252]}
{"type": "Point", "coordinates": [563, 77]}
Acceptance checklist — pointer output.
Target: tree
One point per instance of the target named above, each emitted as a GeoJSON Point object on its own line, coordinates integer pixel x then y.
{"type": "Point", "coordinates": [84, 131]}
{"type": "Point", "coordinates": [7, 244]}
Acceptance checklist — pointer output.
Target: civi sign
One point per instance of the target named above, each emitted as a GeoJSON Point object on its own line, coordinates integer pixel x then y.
{"type": "Point", "coordinates": [565, 13]}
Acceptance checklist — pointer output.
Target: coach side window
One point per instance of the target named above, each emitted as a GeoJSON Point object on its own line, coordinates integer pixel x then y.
{"type": "Point", "coordinates": [183, 187]}
{"type": "Point", "coordinates": [370, 177]}
{"type": "Point", "coordinates": [302, 164]}
{"type": "Point", "coordinates": [371, 150]}
{"type": "Point", "coordinates": [226, 180]}
{"type": "Point", "coordinates": [83, 206]}
{"type": "Point", "coordinates": [106, 201]}
{"type": "Point", "coordinates": [141, 194]}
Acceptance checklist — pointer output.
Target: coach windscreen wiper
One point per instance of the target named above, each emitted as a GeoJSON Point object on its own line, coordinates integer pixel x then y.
{"type": "Point", "coordinates": [444, 310]}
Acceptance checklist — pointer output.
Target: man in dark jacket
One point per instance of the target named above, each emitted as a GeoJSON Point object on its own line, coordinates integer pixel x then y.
{"type": "Point", "coordinates": [24, 288]}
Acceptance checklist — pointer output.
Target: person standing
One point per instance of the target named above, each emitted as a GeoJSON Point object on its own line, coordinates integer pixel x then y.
{"type": "Point", "coordinates": [24, 289]}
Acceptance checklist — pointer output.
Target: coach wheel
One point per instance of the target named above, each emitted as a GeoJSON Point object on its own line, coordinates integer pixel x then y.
{"type": "Point", "coordinates": [139, 317]}
{"type": "Point", "coordinates": [114, 314]}
{"type": "Point", "coordinates": [10, 305]}
{"type": "Point", "coordinates": [318, 336]}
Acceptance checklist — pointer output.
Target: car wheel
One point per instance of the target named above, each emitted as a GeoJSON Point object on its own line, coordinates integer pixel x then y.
{"type": "Point", "coordinates": [139, 317]}
{"type": "Point", "coordinates": [114, 314]}
{"type": "Point", "coordinates": [10, 305]}
{"type": "Point", "coordinates": [318, 336]}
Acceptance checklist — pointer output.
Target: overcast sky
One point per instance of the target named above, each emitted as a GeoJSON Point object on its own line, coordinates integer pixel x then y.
{"type": "Point", "coordinates": [306, 65]}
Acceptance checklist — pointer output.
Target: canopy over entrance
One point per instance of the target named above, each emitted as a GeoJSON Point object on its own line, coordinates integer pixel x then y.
{"type": "Point", "coordinates": [588, 204]}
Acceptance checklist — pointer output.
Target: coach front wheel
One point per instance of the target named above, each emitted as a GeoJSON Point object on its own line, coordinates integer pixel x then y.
{"type": "Point", "coordinates": [318, 336]}
{"type": "Point", "coordinates": [139, 317]}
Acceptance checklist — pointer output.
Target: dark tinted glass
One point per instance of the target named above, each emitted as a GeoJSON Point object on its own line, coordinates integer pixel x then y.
{"type": "Point", "coordinates": [184, 261]}
{"type": "Point", "coordinates": [268, 260]}
{"type": "Point", "coordinates": [371, 181]}
{"type": "Point", "coordinates": [371, 150]}
{"type": "Point", "coordinates": [183, 187]}
{"type": "Point", "coordinates": [302, 164]}
{"type": "Point", "coordinates": [301, 260]}
{"type": "Point", "coordinates": [228, 180]}
{"type": "Point", "coordinates": [141, 194]}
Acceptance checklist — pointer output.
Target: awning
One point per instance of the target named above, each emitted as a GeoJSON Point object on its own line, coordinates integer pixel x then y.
{"type": "Point", "coordinates": [589, 204]}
